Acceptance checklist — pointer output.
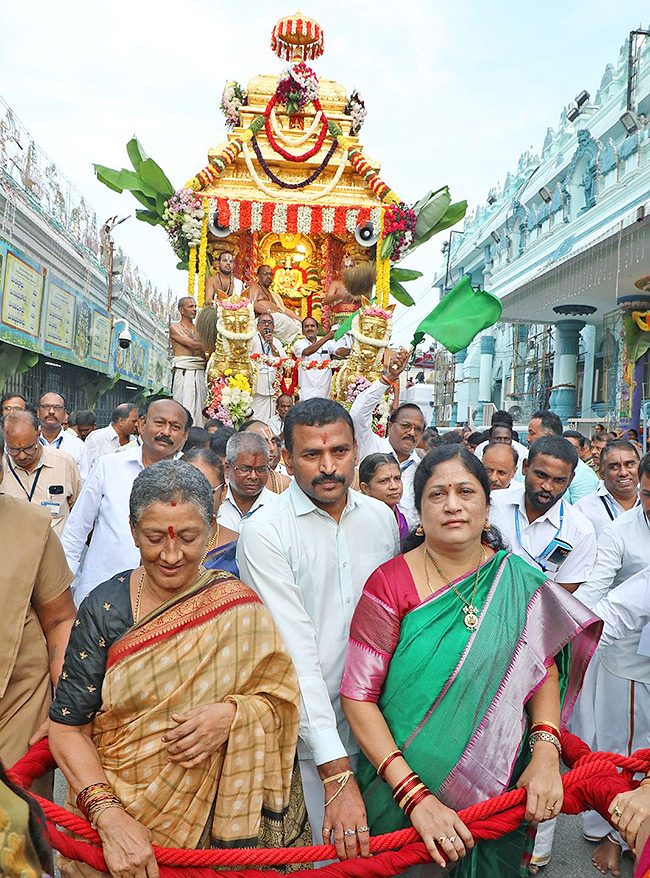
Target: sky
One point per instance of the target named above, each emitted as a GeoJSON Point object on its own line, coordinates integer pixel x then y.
{"type": "Point", "coordinates": [455, 91]}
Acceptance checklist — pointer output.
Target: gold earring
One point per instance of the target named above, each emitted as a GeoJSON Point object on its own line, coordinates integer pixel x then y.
{"type": "Point", "coordinates": [486, 526]}
{"type": "Point", "coordinates": [419, 531]}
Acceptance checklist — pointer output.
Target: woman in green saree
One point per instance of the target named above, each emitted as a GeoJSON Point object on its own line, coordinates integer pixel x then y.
{"type": "Point", "coordinates": [463, 664]}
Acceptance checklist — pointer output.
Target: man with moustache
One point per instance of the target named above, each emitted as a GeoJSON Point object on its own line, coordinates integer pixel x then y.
{"type": "Point", "coordinates": [51, 412]}
{"type": "Point", "coordinates": [538, 524]}
{"type": "Point", "coordinates": [301, 554]}
{"type": "Point", "coordinates": [266, 345]}
{"type": "Point", "coordinates": [619, 490]}
{"type": "Point", "coordinates": [103, 505]}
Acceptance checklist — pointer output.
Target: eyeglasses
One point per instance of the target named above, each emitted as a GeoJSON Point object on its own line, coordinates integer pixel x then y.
{"type": "Point", "coordinates": [54, 408]}
{"type": "Point", "coordinates": [405, 425]}
{"type": "Point", "coordinates": [247, 470]}
{"type": "Point", "coordinates": [12, 408]}
{"type": "Point", "coordinates": [217, 488]}
{"type": "Point", "coordinates": [28, 449]}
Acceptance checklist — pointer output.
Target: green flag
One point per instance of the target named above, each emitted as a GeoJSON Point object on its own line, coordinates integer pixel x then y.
{"type": "Point", "coordinates": [461, 315]}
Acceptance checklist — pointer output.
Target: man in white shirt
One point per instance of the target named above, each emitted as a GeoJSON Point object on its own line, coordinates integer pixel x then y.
{"type": "Point", "coordinates": [266, 345]}
{"type": "Point", "coordinates": [585, 480]}
{"type": "Point", "coordinates": [103, 505]}
{"type": "Point", "coordinates": [613, 708]}
{"type": "Point", "coordinates": [51, 409]}
{"type": "Point", "coordinates": [501, 431]}
{"type": "Point", "coordinates": [538, 524]}
{"type": "Point", "coordinates": [405, 428]}
{"type": "Point", "coordinates": [619, 490]}
{"type": "Point", "coordinates": [307, 556]}
{"type": "Point", "coordinates": [247, 470]}
{"type": "Point", "coordinates": [500, 461]}
{"type": "Point", "coordinates": [119, 432]}
{"type": "Point", "coordinates": [282, 406]}
{"type": "Point", "coordinates": [314, 378]}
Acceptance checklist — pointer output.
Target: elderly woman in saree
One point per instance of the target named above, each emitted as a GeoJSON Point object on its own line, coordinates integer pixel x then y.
{"type": "Point", "coordinates": [462, 667]}
{"type": "Point", "coordinates": [176, 716]}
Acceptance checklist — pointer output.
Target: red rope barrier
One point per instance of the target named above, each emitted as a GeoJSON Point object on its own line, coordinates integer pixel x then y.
{"type": "Point", "coordinates": [592, 782]}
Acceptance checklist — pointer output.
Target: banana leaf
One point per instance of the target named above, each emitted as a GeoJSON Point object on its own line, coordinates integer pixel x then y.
{"type": "Point", "coordinates": [431, 212]}
{"type": "Point", "coordinates": [398, 292]}
{"type": "Point", "coordinates": [14, 361]}
{"type": "Point", "coordinates": [121, 180]}
{"type": "Point", "coordinates": [454, 213]}
{"type": "Point", "coordinates": [402, 275]}
{"type": "Point", "coordinates": [153, 175]}
{"type": "Point", "coordinates": [387, 245]}
{"type": "Point", "coordinates": [149, 216]}
{"type": "Point", "coordinates": [637, 340]}
{"type": "Point", "coordinates": [135, 152]}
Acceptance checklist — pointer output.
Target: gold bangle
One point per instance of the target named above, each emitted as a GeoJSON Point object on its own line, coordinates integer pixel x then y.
{"type": "Point", "coordinates": [416, 789]}
{"type": "Point", "coordinates": [543, 722]}
{"type": "Point", "coordinates": [342, 783]}
{"type": "Point", "coordinates": [387, 759]}
{"type": "Point", "coordinates": [337, 777]}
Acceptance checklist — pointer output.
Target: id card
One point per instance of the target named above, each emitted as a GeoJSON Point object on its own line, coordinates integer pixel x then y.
{"type": "Point", "coordinates": [53, 507]}
{"type": "Point", "coordinates": [557, 552]}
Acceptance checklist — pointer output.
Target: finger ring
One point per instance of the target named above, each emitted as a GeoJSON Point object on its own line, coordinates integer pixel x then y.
{"type": "Point", "coordinates": [350, 832]}
{"type": "Point", "coordinates": [618, 812]}
{"type": "Point", "coordinates": [549, 808]}
{"type": "Point", "coordinates": [363, 829]}
{"type": "Point", "coordinates": [452, 839]}
{"type": "Point", "coordinates": [442, 839]}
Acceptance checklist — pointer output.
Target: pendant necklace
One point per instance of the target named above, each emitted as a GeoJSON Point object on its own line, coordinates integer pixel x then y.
{"type": "Point", "coordinates": [136, 611]}
{"type": "Point", "coordinates": [469, 609]}
{"type": "Point", "coordinates": [212, 543]}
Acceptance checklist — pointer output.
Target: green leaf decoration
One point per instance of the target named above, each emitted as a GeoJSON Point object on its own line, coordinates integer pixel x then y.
{"type": "Point", "coordinates": [121, 180]}
{"type": "Point", "coordinates": [637, 340]}
{"type": "Point", "coordinates": [153, 175]}
{"type": "Point", "coordinates": [402, 275]}
{"type": "Point", "coordinates": [149, 216]}
{"type": "Point", "coordinates": [431, 212]}
{"type": "Point", "coordinates": [454, 213]}
{"type": "Point", "coordinates": [183, 266]}
{"type": "Point", "coordinates": [14, 361]}
{"type": "Point", "coordinates": [135, 152]}
{"type": "Point", "coordinates": [398, 292]}
{"type": "Point", "coordinates": [387, 245]}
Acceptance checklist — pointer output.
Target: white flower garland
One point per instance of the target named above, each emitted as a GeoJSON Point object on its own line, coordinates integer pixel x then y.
{"type": "Point", "coordinates": [351, 220]}
{"type": "Point", "coordinates": [367, 339]}
{"type": "Point", "coordinates": [289, 196]}
{"type": "Point", "coordinates": [233, 206]}
{"type": "Point", "coordinates": [328, 219]}
{"type": "Point", "coordinates": [283, 137]}
{"type": "Point", "coordinates": [279, 221]}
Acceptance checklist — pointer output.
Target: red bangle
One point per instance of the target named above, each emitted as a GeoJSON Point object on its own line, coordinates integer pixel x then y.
{"type": "Point", "coordinates": [400, 786]}
{"type": "Point", "coordinates": [420, 797]}
{"type": "Point", "coordinates": [381, 771]}
{"type": "Point", "coordinates": [545, 727]}
{"type": "Point", "coordinates": [406, 787]}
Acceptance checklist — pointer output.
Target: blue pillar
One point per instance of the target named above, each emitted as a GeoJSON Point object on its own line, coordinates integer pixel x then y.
{"type": "Point", "coordinates": [460, 407]}
{"type": "Point", "coordinates": [485, 375]}
{"type": "Point", "coordinates": [564, 400]}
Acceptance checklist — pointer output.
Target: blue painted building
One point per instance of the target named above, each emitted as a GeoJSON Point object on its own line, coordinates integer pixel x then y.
{"type": "Point", "coordinates": [564, 238]}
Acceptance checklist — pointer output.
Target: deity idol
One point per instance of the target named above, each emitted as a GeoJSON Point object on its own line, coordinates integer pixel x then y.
{"type": "Point", "coordinates": [235, 332]}
{"type": "Point", "coordinates": [370, 331]}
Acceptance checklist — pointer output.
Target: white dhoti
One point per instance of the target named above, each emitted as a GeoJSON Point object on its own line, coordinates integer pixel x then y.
{"type": "Point", "coordinates": [188, 385]}
{"type": "Point", "coordinates": [285, 327]}
{"type": "Point", "coordinates": [263, 407]}
{"type": "Point", "coordinates": [611, 714]}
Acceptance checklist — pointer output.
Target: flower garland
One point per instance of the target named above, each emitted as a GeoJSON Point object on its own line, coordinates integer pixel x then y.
{"type": "Point", "coordinates": [191, 274]}
{"type": "Point", "coordinates": [226, 157]}
{"type": "Point", "coordinates": [399, 228]}
{"type": "Point", "coordinates": [229, 399]}
{"type": "Point", "coordinates": [232, 100]}
{"type": "Point", "coordinates": [282, 365]}
{"type": "Point", "coordinates": [356, 108]}
{"type": "Point", "coordinates": [301, 185]}
{"type": "Point", "coordinates": [382, 281]}
{"type": "Point", "coordinates": [290, 157]}
{"type": "Point", "coordinates": [280, 133]}
{"type": "Point", "coordinates": [355, 329]}
{"type": "Point", "coordinates": [203, 256]}
{"type": "Point", "coordinates": [306, 28]}
{"type": "Point", "coordinates": [363, 168]}
{"type": "Point", "coordinates": [225, 334]}
{"type": "Point", "coordinates": [307, 196]}
{"type": "Point", "coordinates": [297, 87]}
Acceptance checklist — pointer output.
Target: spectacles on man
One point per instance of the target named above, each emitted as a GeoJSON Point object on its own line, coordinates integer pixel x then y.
{"type": "Point", "coordinates": [247, 470]}
{"type": "Point", "coordinates": [406, 425]}
{"type": "Point", "coordinates": [16, 452]}
{"type": "Point", "coordinates": [12, 408]}
{"type": "Point", "coordinates": [54, 408]}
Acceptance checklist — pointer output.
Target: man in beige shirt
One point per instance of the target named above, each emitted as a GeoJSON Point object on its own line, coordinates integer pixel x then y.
{"type": "Point", "coordinates": [40, 474]}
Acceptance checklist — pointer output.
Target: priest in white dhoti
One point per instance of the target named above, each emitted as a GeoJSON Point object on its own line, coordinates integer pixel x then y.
{"type": "Point", "coordinates": [188, 362]}
{"type": "Point", "coordinates": [268, 350]}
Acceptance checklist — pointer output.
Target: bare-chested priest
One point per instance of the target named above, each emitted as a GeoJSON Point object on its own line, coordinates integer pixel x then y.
{"type": "Point", "coordinates": [217, 284]}
{"type": "Point", "coordinates": [286, 324]}
{"type": "Point", "coordinates": [188, 362]}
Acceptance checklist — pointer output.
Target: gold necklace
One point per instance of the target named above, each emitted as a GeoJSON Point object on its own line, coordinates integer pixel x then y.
{"type": "Point", "coordinates": [136, 612]}
{"type": "Point", "coordinates": [212, 543]}
{"type": "Point", "coordinates": [471, 612]}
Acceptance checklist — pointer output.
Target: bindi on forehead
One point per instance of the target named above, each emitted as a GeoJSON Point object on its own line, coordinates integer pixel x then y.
{"type": "Point", "coordinates": [324, 439]}
{"type": "Point", "coordinates": [173, 503]}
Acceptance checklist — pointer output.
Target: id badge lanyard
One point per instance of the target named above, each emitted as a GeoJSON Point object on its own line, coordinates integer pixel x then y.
{"type": "Point", "coordinates": [29, 494]}
{"type": "Point", "coordinates": [542, 554]}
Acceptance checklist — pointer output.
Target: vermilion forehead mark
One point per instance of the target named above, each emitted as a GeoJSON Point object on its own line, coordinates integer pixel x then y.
{"type": "Point", "coordinates": [171, 531]}
{"type": "Point", "coordinates": [173, 503]}
{"type": "Point", "coordinates": [324, 438]}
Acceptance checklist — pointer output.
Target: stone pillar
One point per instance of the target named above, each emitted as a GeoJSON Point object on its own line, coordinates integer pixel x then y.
{"type": "Point", "coordinates": [567, 341]}
{"type": "Point", "coordinates": [460, 411]}
{"type": "Point", "coordinates": [485, 374]}
{"type": "Point", "coordinates": [589, 341]}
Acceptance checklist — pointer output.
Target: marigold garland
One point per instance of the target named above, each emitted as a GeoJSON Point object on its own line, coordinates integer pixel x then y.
{"type": "Point", "coordinates": [203, 254]}
{"type": "Point", "coordinates": [383, 269]}
{"type": "Point", "coordinates": [191, 274]}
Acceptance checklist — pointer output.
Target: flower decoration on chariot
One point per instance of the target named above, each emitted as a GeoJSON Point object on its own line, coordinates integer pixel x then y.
{"type": "Point", "coordinates": [297, 37]}
{"type": "Point", "coordinates": [642, 320]}
{"type": "Point", "coordinates": [233, 99]}
{"type": "Point", "coordinates": [297, 87]}
{"type": "Point", "coordinates": [356, 109]}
